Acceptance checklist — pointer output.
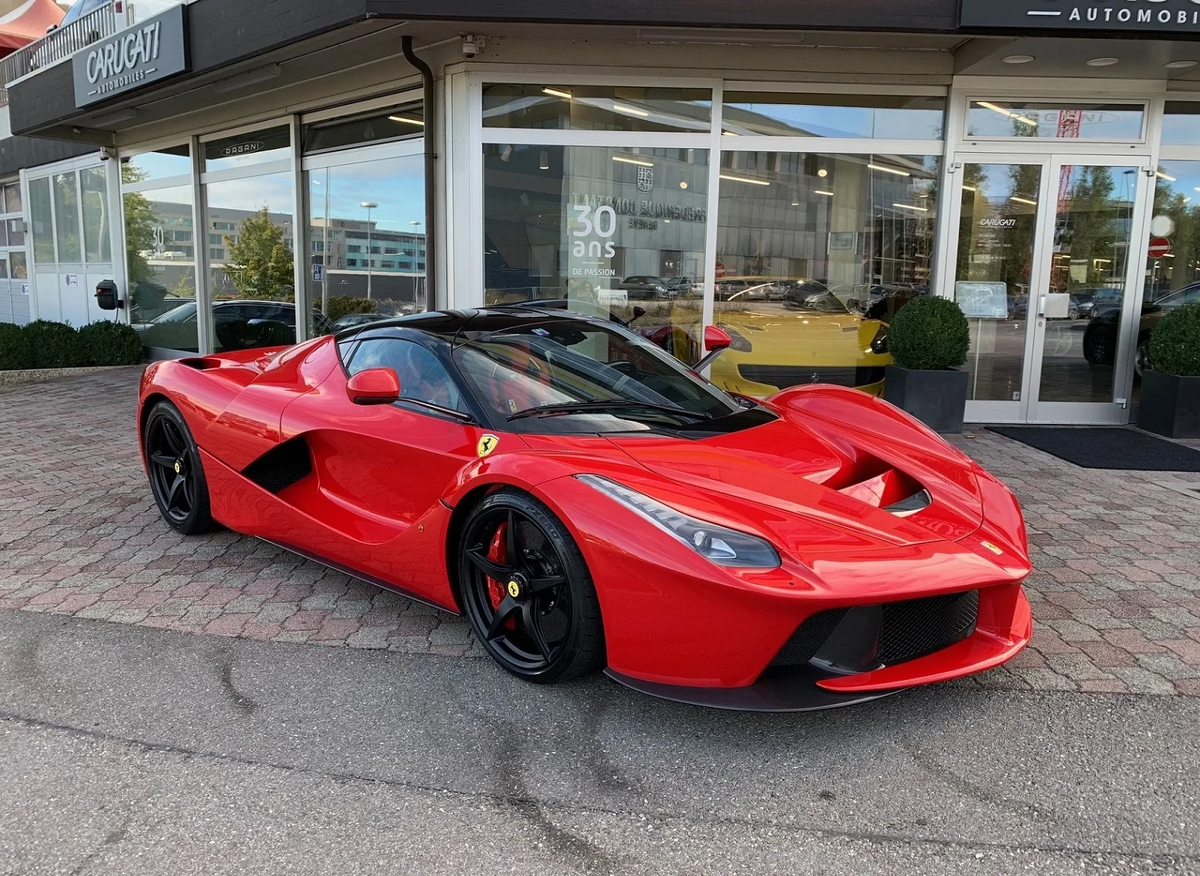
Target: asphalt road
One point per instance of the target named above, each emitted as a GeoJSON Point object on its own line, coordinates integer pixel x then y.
{"type": "Point", "coordinates": [130, 750]}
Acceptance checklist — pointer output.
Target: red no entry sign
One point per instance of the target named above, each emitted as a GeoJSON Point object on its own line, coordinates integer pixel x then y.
{"type": "Point", "coordinates": [1159, 247]}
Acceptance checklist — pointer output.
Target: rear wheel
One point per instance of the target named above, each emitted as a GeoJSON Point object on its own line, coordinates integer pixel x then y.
{"type": "Point", "coordinates": [176, 476]}
{"type": "Point", "coordinates": [527, 592]}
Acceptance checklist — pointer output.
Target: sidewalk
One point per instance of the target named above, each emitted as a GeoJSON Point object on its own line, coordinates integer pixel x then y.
{"type": "Point", "coordinates": [1115, 591]}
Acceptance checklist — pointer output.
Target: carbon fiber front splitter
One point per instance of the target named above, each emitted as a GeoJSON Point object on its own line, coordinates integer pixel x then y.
{"type": "Point", "coordinates": [782, 689]}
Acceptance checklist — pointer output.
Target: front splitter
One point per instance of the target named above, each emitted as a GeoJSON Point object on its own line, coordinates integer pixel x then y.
{"type": "Point", "coordinates": [792, 689]}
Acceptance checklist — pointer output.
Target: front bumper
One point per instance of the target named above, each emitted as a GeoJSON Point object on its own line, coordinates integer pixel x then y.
{"type": "Point", "coordinates": [1002, 628]}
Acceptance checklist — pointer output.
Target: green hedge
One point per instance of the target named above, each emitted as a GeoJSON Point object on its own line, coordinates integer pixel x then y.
{"type": "Point", "coordinates": [1175, 342]}
{"type": "Point", "coordinates": [929, 334]}
{"type": "Point", "coordinates": [344, 305]}
{"type": "Point", "coordinates": [45, 344]}
{"type": "Point", "coordinates": [15, 354]}
{"type": "Point", "coordinates": [55, 345]}
{"type": "Point", "coordinates": [111, 343]}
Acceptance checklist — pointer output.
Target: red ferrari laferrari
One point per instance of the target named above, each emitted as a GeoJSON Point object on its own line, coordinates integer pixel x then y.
{"type": "Point", "coordinates": [588, 502]}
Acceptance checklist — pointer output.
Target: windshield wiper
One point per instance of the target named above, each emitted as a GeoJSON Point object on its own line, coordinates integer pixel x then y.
{"type": "Point", "coordinates": [605, 405]}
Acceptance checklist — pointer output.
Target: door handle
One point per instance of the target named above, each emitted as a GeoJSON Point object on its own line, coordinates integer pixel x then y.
{"type": "Point", "coordinates": [1041, 305]}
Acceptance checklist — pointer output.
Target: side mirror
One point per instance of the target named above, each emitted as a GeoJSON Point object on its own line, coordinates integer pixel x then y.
{"type": "Point", "coordinates": [638, 313]}
{"type": "Point", "coordinates": [374, 386]}
{"type": "Point", "coordinates": [716, 342]}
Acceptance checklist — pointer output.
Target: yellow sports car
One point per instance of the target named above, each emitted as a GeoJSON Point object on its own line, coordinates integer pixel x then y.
{"type": "Point", "coordinates": [807, 337]}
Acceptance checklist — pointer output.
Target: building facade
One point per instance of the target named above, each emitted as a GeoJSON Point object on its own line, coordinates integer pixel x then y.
{"type": "Point", "coordinates": [793, 172]}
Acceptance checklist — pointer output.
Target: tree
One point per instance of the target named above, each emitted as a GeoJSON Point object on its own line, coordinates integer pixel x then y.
{"type": "Point", "coordinates": [139, 228]}
{"type": "Point", "coordinates": [260, 264]}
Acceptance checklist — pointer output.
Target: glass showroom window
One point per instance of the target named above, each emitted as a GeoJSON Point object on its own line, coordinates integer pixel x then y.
{"type": "Point", "coordinates": [363, 204]}
{"type": "Point", "coordinates": [160, 255]}
{"type": "Point", "coordinates": [597, 108]}
{"type": "Point", "coordinates": [249, 189]}
{"type": "Point", "coordinates": [844, 116]}
{"type": "Point", "coordinates": [618, 232]}
{"type": "Point", "coordinates": [815, 253]}
{"type": "Point", "coordinates": [1006, 119]}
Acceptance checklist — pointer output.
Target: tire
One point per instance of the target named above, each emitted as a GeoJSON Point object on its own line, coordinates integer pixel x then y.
{"type": "Point", "coordinates": [538, 617]}
{"type": "Point", "coordinates": [1141, 359]}
{"type": "Point", "coordinates": [1099, 344]}
{"type": "Point", "coordinates": [176, 474]}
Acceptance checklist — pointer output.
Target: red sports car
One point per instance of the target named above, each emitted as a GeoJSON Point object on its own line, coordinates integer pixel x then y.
{"type": "Point", "coordinates": [589, 502]}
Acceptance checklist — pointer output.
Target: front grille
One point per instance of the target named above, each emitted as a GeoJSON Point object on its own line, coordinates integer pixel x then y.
{"type": "Point", "coordinates": [918, 627]}
{"type": "Point", "coordinates": [785, 376]}
{"type": "Point", "coordinates": [808, 638]}
{"type": "Point", "coordinates": [894, 632]}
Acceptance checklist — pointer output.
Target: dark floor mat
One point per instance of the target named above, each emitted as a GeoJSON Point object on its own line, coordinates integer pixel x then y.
{"type": "Point", "coordinates": [1111, 447]}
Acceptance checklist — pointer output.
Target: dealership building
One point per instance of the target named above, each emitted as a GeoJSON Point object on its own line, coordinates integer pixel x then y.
{"type": "Point", "coordinates": [787, 170]}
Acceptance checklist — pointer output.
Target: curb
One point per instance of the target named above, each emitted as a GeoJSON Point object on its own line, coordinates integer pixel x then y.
{"type": "Point", "coordinates": [39, 375]}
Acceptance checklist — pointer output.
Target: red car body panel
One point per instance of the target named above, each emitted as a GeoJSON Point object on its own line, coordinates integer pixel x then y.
{"type": "Point", "coordinates": [385, 480]}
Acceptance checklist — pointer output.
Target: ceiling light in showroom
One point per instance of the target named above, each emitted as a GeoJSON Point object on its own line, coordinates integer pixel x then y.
{"type": "Point", "coordinates": [1103, 62]}
{"type": "Point", "coordinates": [1019, 59]}
{"type": "Point", "coordinates": [1180, 65]}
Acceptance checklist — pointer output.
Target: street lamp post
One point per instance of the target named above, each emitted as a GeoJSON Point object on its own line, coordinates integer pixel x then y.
{"type": "Point", "coordinates": [369, 206]}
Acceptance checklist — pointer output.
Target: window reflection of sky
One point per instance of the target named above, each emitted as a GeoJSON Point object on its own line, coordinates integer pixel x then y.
{"type": "Point", "coordinates": [397, 185]}
{"type": "Point", "coordinates": [1008, 119]}
{"type": "Point", "coordinates": [837, 121]}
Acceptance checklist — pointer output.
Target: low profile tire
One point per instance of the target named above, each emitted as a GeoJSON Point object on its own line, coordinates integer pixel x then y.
{"type": "Point", "coordinates": [176, 475]}
{"type": "Point", "coordinates": [526, 590]}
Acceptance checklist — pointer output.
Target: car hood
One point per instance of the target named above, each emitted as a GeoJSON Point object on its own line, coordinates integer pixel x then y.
{"type": "Point", "coordinates": [816, 488]}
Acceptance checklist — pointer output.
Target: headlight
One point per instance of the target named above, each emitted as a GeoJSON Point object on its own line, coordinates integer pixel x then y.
{"type": "Point", "coordinates": [725, 547]}
{"type": "Point", "coordinates": [879, 342]}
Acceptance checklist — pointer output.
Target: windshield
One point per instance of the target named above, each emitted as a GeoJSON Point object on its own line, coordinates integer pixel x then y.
{"type": "Point", "coordinates": [182, 313]}
{"type": "Point", "coordinates": [617, 377]}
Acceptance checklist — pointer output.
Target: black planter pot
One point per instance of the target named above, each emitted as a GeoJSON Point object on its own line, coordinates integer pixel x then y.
{"type": "Point", "coordinates": [1170, 405]}
{"type": "Point", "coordinates": [936, 398]}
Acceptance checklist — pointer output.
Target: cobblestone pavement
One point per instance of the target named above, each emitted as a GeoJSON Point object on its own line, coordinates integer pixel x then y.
{"type": "Point", "coordinates": [1115, 591]}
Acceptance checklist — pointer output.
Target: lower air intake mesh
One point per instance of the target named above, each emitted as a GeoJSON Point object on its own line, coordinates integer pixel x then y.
{"type": "Point", "coordinates": [918, 627]}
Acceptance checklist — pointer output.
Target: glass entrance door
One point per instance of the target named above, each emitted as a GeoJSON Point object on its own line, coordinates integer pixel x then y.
{"type": "Point", "coordinates": [1044, 274]}
{"type": "Point", "coordinates": [1089, 279]}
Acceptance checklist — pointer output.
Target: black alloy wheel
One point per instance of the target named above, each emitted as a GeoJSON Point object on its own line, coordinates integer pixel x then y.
{"type": "Point", "coordinates": [526, 590]}
{"type": "Point", "coordinates": [176, 476]}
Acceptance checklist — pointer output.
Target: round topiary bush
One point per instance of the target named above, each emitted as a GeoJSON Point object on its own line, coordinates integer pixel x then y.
{"type": "Point", "coordinates": [929, 334]}
{"type": "Point", "coordinates": [111, 343]}
{"type": "Point", "coordinates": [55, 345]}
{"type": "Point", "coordinates": [15, 354]}
{"type": "Point", "coordinates": [1175, 342]}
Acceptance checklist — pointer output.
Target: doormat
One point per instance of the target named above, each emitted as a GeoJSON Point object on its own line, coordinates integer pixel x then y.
{"type": "Point", "coordinates": [1110, 447]}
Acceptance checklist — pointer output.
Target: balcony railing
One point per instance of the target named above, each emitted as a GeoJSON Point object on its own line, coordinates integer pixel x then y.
{"type": "Point", "coordinates": [60, 43]}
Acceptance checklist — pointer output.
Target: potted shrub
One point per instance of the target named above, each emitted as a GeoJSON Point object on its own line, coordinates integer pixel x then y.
{"type": "Point", "coordinates": [928, 340]}
{"type": "Point", "coordinates": [1171, 384]}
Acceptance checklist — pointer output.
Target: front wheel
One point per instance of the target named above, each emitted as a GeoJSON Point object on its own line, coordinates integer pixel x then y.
{"type": "Point", "coordinates": [526, 590]}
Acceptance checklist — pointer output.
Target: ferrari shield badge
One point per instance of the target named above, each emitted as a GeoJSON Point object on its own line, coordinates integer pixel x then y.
{"type": "Point", "coordinates": [487, 444]}
{"type": "Point", "coordinates": [991, 547]}
{"type": "Point", "coordinates": [514, 589]}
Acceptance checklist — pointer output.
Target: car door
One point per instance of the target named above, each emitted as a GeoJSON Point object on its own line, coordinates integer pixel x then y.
{"type": "Point", "coordinates": [385, 466]}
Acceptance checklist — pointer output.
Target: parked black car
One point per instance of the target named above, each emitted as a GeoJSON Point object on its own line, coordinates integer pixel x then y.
{"type": "Point", "coordinates": [237, 325]}
{"type": "Point", "coordinates": [1100, 337]}
{"type": "Point", "coordinates": [647, 288]}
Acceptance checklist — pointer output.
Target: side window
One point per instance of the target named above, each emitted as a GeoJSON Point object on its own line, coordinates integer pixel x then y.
{"type": "Point", "coordinates": [422, 375]}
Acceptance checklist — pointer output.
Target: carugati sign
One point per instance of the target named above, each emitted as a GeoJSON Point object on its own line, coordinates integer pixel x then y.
{"type": "Point", "coordinates": [1135, 16]}
{"type": "Point", "coordinates": [147, 52]}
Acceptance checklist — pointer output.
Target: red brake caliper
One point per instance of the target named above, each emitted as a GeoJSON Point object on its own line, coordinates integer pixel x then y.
{"type": "Point", "coordinates": [497, 553]}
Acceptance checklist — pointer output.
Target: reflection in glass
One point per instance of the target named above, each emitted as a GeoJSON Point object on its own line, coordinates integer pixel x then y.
{"type": "Point", "coordinates": [1181, 123]}
{"type": "Point", "coordinates": [607, 231]}
{"type": "Point", "coordinates": [1065, 121]}
{"type": "Point", "coordinates": [252, 270]}
{"type": "Point", "coordinates": [18, 268]}
{"type": "Point", "coordinates": [815, 254]}
{"type": "Point", "coordinates": [41, 220]}
{"type": "Point", "coordinates": [12, 198]}
{"type": "Point", "coordinates": [1092, 228]}
{"type": "Point", "coordinates": [66, 217]}
{"type": "Point", "coordinates": [161, 264]}
{"type": "Point", "coordinates": [378, 126]}
{"type": "Point", "coordinates": [995, 256]}
{"type": "Point", "coordinates": [366, 240]}
{"type": "Point", "coordinates": [97, 236]}
{"type": "Point", "coordinates": [597, 107]}
{"type": "Point", "coordinates": [149, 166]}
{"type": "Point", "coordinates": [833, 115]}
